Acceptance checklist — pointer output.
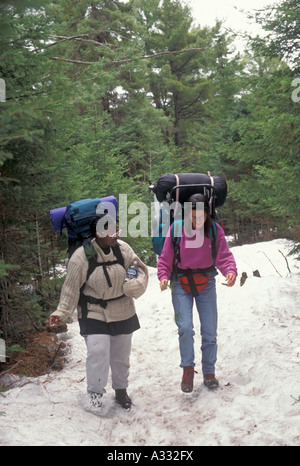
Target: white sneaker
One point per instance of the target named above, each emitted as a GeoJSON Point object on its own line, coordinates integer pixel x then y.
{"type": "Point", "coordinates": [95, 400]}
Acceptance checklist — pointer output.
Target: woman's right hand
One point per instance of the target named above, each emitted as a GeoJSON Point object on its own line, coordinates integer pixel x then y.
{"type": "Point", "coordinates": [55, 320]}
{"type": "Point", "coordinates": [163, 284]}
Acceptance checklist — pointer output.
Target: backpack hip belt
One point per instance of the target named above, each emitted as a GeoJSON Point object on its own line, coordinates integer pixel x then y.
{"type": "Point", "coordinates": [195, 280]}
{"type": "Point", "coordinates": [208, 271]}
{"type": "Point", "coordinates": [84, 300]}
{"type": "Point", "coordinates": [91, 256]}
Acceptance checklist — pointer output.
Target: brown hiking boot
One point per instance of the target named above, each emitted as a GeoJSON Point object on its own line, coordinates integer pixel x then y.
{"type": "Point", "coordinates": [210, 381]}
{"type": "Point", "coordinates": [187, 383]}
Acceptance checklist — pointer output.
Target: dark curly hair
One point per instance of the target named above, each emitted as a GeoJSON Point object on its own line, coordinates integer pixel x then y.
{"type": "Point", "coordinates": [104, 226]}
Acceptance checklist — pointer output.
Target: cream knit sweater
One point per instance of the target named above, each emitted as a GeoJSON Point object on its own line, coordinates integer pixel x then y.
{"type": "Point", "coordinates": [97, 286]}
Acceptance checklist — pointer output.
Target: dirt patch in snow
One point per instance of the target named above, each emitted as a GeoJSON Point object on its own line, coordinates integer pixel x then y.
{"type": "Point", "coordinates": [41, 352]}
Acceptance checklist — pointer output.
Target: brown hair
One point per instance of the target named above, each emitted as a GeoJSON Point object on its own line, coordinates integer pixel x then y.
{"type": "Point", "coordinates": [201, 198]}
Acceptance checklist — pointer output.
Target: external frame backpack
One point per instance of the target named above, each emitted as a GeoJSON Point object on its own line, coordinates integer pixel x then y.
{"type": "Point", "coordinates": [179, 188]}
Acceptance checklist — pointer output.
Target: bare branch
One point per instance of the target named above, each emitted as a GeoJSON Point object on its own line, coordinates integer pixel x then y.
{"type": "Point", "coordinates": [77, 62]}
{"type": "Point", "coordinates": [271, 262]}
{"type": "Point", "coordinates": [287, 264]}
{"type": "Point", "coordinates": [63, 39]}
{"type": "Point", "coordinates": [129, 60]}
{"type": "Point", "coordinates": [158, 54]}
{"type": "Point", "coordinates": [80, 39]}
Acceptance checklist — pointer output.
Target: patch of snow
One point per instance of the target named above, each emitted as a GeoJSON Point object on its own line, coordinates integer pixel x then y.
{"type": "Point", "coordinates": [258, 369]}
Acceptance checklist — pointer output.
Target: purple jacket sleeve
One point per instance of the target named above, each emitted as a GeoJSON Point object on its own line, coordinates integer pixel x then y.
{"type": "Point", "coordinates": [165, 260]}
{"type": "Point", "coordinates": [225, 261]}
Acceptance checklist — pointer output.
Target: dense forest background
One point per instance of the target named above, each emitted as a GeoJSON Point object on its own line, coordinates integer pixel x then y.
{"type": "Point", "coordinates": [104, 96]}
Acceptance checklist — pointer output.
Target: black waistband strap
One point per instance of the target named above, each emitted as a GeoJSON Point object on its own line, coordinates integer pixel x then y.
{"type": "Point", "coordinates": [101, 302]}
{"type": "Point", "coordinates": [192, 283]}
{"type": "Point", "coordinates": [209, 271]}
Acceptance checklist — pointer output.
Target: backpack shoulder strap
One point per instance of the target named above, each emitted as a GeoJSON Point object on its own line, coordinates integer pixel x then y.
{"type": "Point", "coordinates": [213, 238]}
{"type": "Point", "coordinates": [176, 230]}
{"type": "Point", "coordinates": [117, 252]}
{"type": "Point", "coordinates": [91, 256]}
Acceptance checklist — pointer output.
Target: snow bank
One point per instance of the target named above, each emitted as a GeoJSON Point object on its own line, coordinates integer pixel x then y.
{"type": "Point", "coordinates": [258, 369]}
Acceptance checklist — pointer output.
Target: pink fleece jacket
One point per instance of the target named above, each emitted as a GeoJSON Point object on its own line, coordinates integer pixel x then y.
{"type": "Point", "coordinates": [194, 258]}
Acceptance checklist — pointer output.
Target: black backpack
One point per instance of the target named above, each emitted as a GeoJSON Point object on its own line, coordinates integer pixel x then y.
{"type": "Point", "coordinates": [178, 188]}
{"type": "Point", "coordinates": [170, 188]}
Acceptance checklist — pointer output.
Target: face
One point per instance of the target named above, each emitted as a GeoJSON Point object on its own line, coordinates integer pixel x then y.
{"type": "Point", "coordinates": [108, 240]}
{"type": "Point", "coordinates": [198, 218]}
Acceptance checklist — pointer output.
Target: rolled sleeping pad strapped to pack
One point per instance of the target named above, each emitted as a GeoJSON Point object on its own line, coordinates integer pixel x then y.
{"type": "Point", "coordinates": [189, 184]}
{"type": "Point", "coordinates": [77, 215]}
{"type": "Point", "coordinates": [57, 218]}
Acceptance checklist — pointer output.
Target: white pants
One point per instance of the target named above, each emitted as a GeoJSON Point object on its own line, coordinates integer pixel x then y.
{"type": "Point", "coordinates": [104, 351]}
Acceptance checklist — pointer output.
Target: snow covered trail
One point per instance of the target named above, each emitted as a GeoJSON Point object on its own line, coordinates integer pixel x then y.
{"type": "Point", "coordinates": [258, 368]}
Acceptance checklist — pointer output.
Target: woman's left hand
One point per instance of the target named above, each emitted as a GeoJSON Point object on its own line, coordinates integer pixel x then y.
{"type": "Point", "coordinates": [230, 279]}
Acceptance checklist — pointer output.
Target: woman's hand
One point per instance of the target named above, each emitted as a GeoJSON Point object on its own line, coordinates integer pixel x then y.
{"type": "Point", "coordinates": [54, 320]}
{"type": "Point", "coordinates": [230, 279]}
{"type": "Point", "coordinates": [163, 284]}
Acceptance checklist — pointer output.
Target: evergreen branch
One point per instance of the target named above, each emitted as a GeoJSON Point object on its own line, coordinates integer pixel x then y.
{"type": "Point", "coordinates": [129, 60]}
{"type": "Point", "coordinates": [10, 138]}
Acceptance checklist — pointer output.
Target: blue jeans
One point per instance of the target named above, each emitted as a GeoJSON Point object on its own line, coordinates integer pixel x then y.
{"type": "Point", "coordinates": [206, 303]}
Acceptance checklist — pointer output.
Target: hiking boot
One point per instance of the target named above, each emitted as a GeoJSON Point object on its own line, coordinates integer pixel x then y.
{"type": "Point", "coordinates": [210, 381]}
{"type": "Point", "coordinates": [187, 383]}
{"type": "Point", "coordinates": [123, 399]}
{"type": "Point", "coordinates": [95, 400]}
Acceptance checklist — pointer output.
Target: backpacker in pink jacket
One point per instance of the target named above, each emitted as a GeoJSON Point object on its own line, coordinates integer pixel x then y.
{"type": "Point", "coordinates": [196, 258]}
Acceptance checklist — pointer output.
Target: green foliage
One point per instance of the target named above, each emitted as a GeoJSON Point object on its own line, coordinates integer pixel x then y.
{"type": "Point", "coordinates": [10, 350]}
{"type": "Point", "coordinates": [263, 142]}
{"type": "Point", "coordinates": [282, 25]}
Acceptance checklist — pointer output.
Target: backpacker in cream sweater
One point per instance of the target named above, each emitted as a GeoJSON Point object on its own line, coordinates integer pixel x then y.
{"type": "Point", "coordinates": [97, 285]}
